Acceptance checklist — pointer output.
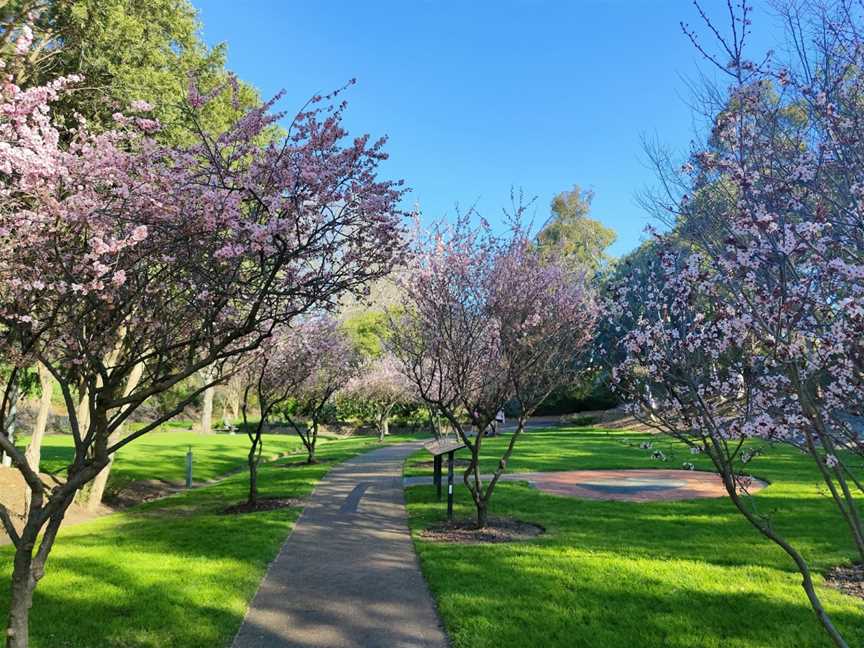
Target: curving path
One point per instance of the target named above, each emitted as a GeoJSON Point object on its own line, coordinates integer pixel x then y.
{"type": "Point", "coordinates": [348, 577]}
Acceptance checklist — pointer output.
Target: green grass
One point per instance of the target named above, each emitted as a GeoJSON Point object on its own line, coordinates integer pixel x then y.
{"type": "Point", "coordinates": [619, 574]}
{"type": "Point", "coordinates": [170, 573]}
{"type": "Point", "coordinates": [162, 455]}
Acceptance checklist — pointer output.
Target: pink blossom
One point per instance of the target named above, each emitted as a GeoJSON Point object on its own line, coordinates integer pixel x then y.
{"type": "Point", "coordinates": [139, 233]}
{"type": "Point", "coordinates": [139, 105]}
{"type": "Point", "coordinates": [24, 40]}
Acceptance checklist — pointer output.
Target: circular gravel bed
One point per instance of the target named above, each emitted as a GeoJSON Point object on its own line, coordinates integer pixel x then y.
{"type": "Point", "coordinates": [632, 485]}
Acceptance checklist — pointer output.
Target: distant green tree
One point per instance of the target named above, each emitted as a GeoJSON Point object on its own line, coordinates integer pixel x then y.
{"type": "Point", "coordinates": [367, 320]}
{"type": "Point", "coordinates": [367, 330]}
{"type": "Point", "coordinates": [571, 233]}
{"type": "Point", "coordinates": [126, 50]}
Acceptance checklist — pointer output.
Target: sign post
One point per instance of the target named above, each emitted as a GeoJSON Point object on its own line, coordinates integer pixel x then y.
{"type": "Point", "coordinates": [438, 448]}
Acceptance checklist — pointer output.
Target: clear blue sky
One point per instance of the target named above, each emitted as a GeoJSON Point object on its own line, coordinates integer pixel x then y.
{"type": "Point", "coordinates": [477, 97]}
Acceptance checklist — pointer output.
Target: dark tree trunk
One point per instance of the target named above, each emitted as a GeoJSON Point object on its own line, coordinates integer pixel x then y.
{"type": "Point", "coordinates": [29, 562]}
{"type": "Point", "coordinates": [766, 530]}
{"type": "Point", "coordinates": [310, 442]}
{"type": "Point", "coordinates": [482, 514]}
{"type": "Point", "coordinates": [474, 484]}
{"type": "Point", "coordinates": [253, 459]}
{"type": "Point", "coordinates": [23, 586]}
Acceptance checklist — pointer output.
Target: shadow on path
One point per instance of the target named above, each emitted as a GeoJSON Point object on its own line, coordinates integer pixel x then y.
{"type": "Point", "coordinates": [348, 575]}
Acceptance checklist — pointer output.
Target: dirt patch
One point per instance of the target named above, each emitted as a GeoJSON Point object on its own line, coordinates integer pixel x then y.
{"type": "Point", "coordinates": [847, 579]}
{"type": "Point", "coordinates": [612, 419]}
{"type": "Point", "coordinates": [496, 530]}
{"type": "Point", "coordinates": [298, 464]}
{"type": "Point", "coordinates": [12, 488]}
{"type": "Point", "coordinates": [140, 491]}
{"type": "Point", "coordinates": [265, 504]}
{"type": "Point", "coordinates": [463, 463]}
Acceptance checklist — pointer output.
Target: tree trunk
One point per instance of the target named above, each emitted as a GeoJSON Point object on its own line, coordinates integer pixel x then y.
{"type": "Point", "coordinates": [83, 413]}
{"type": "Point", "coordinates": [384, 425]}
{"type": "Point", "coordinates": [33, 454]}
{"type": "Point", "coordinates": [482, 514]}
{"type": "Point", "coordinates": [312, 441]}
{"type": "Point", "coordinates": [434, 424]}
{"type": "Point", "coordinates": [253, 482]}
{"type": "Point", "coordinates": [97, 488]}
{"type": "Point", "coordinates": [28, 568]}
{"type": "Point", "coordinates": [253, 459]}
{"type": "Point", "coordinates": [233, 399]}
{"type": "Point", "coordinates": [23, 586]}
{"type": "Point", "coordinates": [767, 530]}
{"type": "Point", "coordinates": [96, 491]}
{"type": "Point", "coordinates": [11, 421]}
{"type": "Point", "coordinates": [207, 411]}
{"type": "Point", "coordinates": [34, 449]}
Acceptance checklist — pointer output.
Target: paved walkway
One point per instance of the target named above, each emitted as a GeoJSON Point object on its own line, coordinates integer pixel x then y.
{"type": "Point", "coordinates": [347, 577]}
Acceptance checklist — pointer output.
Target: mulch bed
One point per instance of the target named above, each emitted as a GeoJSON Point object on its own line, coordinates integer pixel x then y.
{"type": "Point", "coordinates": [496, 530]}
{"type": "Point", "coordinates": [849, 580]}
{"type": "Point", "coordinates": [265, 504]}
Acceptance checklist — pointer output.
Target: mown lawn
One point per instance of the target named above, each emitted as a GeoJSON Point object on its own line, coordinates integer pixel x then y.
{"type": "Point", "coordinates": [162, 455]}
{"type": "Point", "coordinates": [171, 573]}
{"type": "Point", "coordinates": [619, 574]}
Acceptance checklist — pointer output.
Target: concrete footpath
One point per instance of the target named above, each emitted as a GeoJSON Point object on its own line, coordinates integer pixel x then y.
{"type": "Point", "coordinates": [348, 575]}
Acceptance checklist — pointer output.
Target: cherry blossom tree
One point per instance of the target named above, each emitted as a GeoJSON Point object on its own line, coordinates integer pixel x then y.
{"type": "Point", "coordinates": [696, 371]}
{"type": "Point", "coordinates": [790, 255]}
{"type": "Point", "coordinates": [487, 321]}
{"type": "Point", "coordinates": [322, 359]}
{"type": "Point", "coordinates": [269, 374]}
{"type": "Point", "coordinates": [118, 252]}
{"type": "Point", "coordinates": [381, 385]}
{"type": "Point", "coordinates": [755, 332]}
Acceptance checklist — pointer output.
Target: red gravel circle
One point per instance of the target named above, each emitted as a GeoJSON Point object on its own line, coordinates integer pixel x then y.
{"type": "Point", "coordinates": [632, 485]}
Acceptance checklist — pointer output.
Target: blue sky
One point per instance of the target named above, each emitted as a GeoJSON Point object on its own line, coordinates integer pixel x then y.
{"type": "Point", "coordinates": [477, 97]}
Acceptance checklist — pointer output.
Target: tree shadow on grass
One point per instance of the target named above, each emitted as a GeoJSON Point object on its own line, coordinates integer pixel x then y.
{"type": "Point", "coordinates": [173, 572]}
{"type": "Point", "coordinates": [590, 605]}
{"type": "Point", "coordinates": [709, 530]}
{"type": "Point", "coordinates": [178, 581]}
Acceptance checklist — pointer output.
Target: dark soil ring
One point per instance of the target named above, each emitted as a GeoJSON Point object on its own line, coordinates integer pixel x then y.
{"type": "Point", "coordinates": [265, 504]}
{"type": "Point", "coordinates": [848, 579]}
{"type": "Point", "coordinates": [300, 464]}
{"type": "Point", "coordinates": [496, 530]}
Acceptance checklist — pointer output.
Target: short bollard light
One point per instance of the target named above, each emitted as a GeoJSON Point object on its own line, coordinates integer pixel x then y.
{"type": "Point", "coordinates": [189, 468]}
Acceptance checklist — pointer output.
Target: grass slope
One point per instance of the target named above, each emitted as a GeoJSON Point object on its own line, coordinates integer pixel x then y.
{"type": "Point", "coordinates": [619, 574]}
{"type": "Point", "coordinates": [162, 455]}
{"type": "Point", "coordinates": [175, 572]}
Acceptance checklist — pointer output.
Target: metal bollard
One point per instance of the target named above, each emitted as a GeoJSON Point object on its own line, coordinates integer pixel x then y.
{"type": "Point", "coordinates": [189, 468]}
{"type": "Point", "coordinates": [450, 485]}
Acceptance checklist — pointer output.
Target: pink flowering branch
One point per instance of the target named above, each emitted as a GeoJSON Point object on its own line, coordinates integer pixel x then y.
{"type": "Point", "coordinates": [755, 329]}
{"type": "Point", "coordinates": [119, 253]}
{"type": "Point", "coordinates": [321, 359]}
{"type": "Point", "coordinates": [488, 322]}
